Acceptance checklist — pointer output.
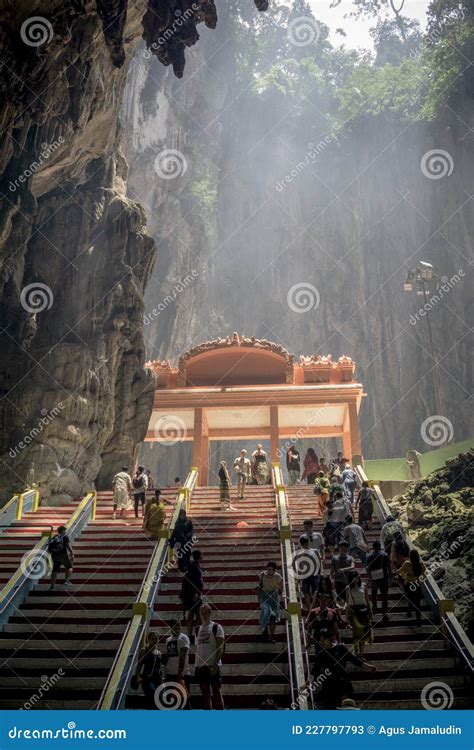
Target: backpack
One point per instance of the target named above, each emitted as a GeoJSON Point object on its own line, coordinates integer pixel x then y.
{"type": "Point", "coordinates": [56, 545]}
{"type": "Point", "coordinates": [214, 633]}
{"type": "Point", "coordinates": [138, 482]}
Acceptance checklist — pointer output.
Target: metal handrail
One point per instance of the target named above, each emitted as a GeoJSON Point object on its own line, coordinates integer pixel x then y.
{"type": "Point", "coordinates": [299, 693]}
{"type": "Point", "coordinates": [15, 507]}
{"type": "Point", "coordinates": [115, 689]}
{"type": "Point", "coordinates": [441, 607]}
{"type": "Point", "coordinates": [20, 583]}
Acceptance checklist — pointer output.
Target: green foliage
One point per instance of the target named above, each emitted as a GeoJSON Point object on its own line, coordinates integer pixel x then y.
{"type": "Point", "coordinates": [205, 193]}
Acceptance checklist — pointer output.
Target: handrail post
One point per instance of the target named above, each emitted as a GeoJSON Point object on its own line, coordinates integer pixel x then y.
{"type": "Point", "coordinates": [19, 506]}
{"type": "Point", "coordinates": [36, 501]}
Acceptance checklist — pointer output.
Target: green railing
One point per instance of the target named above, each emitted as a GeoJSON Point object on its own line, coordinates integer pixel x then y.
{"type": "Point", "coordinates": [440, 606]}
{"type": "Point", "coordinates": [115, 691]}
{"type": "Point", "coordinates": [35, 563]}
{"type": "Point", "coordinates": [300, 696]}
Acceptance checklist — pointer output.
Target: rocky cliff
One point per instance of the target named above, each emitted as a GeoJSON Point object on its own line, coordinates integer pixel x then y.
{"type": "Point", "coordinates": [76, 254]}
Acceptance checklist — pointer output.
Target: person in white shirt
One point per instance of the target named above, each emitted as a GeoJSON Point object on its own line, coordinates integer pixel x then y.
{"type": "Point", "coordinates": [307, 566]}
{"type": "Point", "coordinates": [315, 539]}
{"type": "Point", "coordinates": [242, 468]}
{"type": "Point", "coordinates": [357, 540]}
{"type": "Point", "coordinates": [209, 650]}
{"type": "Point", "coordinates": [122, 487]}
{"type": "Point", "coordinates": [177, 659]}
{"type": "Point", "coordinates": [140, 486]}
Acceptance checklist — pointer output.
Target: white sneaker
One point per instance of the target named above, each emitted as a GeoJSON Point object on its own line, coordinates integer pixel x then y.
{"type": "Point", "coordinates": [67, 583]}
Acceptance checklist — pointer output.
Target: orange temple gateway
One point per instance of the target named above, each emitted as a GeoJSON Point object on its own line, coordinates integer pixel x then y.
{"type": "Point", "coordinates": [239, 388]}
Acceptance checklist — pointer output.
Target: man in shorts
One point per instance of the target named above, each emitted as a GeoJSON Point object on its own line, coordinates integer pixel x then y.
{"type": "Point", "coordinates": [242, 469]}
{"type": "Point", "coordinates": [60, 549]}
{"type": "Point", "coordinates": [177, 660]}
{"type": "Point", "coordinates": [209, 650]}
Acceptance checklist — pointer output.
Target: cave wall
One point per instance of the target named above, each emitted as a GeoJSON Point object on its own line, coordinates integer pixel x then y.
{"type": "Point", "coordinates": [351, 224]}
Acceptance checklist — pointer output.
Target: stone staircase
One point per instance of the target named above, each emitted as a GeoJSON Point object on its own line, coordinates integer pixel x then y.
{"type": "Point", "coordinates": [407, 657]}
{"type": "Point", "coordinates": [78, 629]}
{"type": "Point", "coordinates": [236, 546]}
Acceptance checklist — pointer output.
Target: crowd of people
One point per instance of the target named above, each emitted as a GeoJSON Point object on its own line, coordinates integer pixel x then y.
{"type": "Point", "coordinates": [328, 566]}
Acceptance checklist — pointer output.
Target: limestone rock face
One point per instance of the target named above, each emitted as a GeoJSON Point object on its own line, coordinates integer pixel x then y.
{"type": "Point", "coordinates": [438, 510]}
{"type": "Point", "coordinates": [76, 255]}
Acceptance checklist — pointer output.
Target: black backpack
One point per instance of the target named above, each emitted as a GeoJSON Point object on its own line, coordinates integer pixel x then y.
{"type": "Point", "coordinates": [56, 545]}
{"type": "Point", "coordinates": [138, 482]}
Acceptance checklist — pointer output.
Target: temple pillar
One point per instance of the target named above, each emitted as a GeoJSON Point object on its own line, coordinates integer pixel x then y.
{"type": "Point", "coordinates": [354, 430]}
{"type": "Point", "coordinates": [204, 471]}
{"type": "Point", "coordinates": [198, 442]}
{"type": "Point", "coordinates": [347, 445]}
{"type": "Point", "coordinates": [274, 434]}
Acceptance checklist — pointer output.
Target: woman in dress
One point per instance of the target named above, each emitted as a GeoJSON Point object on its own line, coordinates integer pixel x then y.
{"type": "Point", "coordinates": [260, 471]}
{"type": "Point", "coordinates": [154, 516]}
{"type": "Point", "coordinates": [269, 592]}
{"type": "Point", "coordinates": [365, 504]}
{"type": "Point", "coordinates": [411, 573]}
{"type": "Point", "coordinates": [359, 612]}
{"type": "Point", "coordinates": [311, 466]}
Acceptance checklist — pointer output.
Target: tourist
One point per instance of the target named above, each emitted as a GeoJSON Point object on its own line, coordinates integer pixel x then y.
{"type": "Point", "coordinates": [335, 488]}
{"type": "Point", "coordinates": [62, 556]}
{"type": "Point", "coordinates": [224, 486]}
{"type": "Point", "coordinates": [341, 565]}
{"type": "Point", "coordinates": [182, 539]}
{"type": "Point", "coordinates": [324, 615]}
{"type": "Point", "coordinates": [349, 482]}
{"type": "Point", "coordinates": [293, 465]}
{"type": "Point", "coordinates": [140, 485]}
{"type": "Point", "coordinates": [411, 572]}
{"type": "Point", "coordinates": [155, 515]}
{"type": "Point", "coordinates": [122, 488]}
{"type": "Point", "coordinates": [149, 669]}
{"type": "Point", "coordinates": [307, 565]}
{"type": "Point", "coordinates": [390, 530]}
{"type": "Point", "coordinates": [151, 481]}
{"type": "Point", "coordinates": [338, 511]}
{"type": "Point", "coordinates": [191, 592]}
{"type": "Point", "coordinates": [315, 538]}
{"type": "Point", "coordinates": [242, 469]}
{"type": "Point", "coordinates": [359, 612]}
{"type": "Point", "coordinates": [177, 483]}
{"type": "Point", "coordinates": [329, 671]}
{"type": "Point", "coordinates": [378, 570]}
{"type": "Point", "coordinates": [269, 591]}
{"type": "Point", "coordinates": [268, 705]}
{"type": "Point", "coordinates": [209, 652]}
{"type": "Point", "coordinates": [260, 468]}
{"type": "Point", "coordinates": [336, 464]}
{"type": "Point", "coordinates": [399, 552]}
{"type": "Point", "coordinates": [311, 466]}
{"type": "Point", "coordinates": [365, 504]}
{"type": "Point", "coordinates": [323, 466]}
{"type": "Point", "coordinates": [177, 660]}
{"type": "Point", "coordinates": [354, 535]}
{"type": "Point", "coordinates": [321, 490]}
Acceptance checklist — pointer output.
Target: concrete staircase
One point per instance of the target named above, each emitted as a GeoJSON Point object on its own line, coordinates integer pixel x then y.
{"type": "Point", "coordinates": [407, 657]}
{"type": "Point", "coordinates": [77, 629]}
{"type": "Point", "coordinates": [236, 546]}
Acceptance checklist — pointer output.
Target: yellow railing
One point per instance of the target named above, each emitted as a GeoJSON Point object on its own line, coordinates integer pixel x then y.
{"type": "Point", "coordinates": [142, 608]}
{"type": "Point", "coordinates": [39, 551]}
{"type": "Point", "coordinates": [19, 501]}
{"type": "Point", "coordinates": [293, 605]}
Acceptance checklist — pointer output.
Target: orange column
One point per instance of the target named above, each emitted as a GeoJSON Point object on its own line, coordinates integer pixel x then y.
{"type": "Point", "coordinates": [274, 435]}
{"type": "Point", "coordinates": [204, 471]}
{"type": "Point", "coordinates": [354, 430]}
{"type": "Point", "coordinates": [198, 442]}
